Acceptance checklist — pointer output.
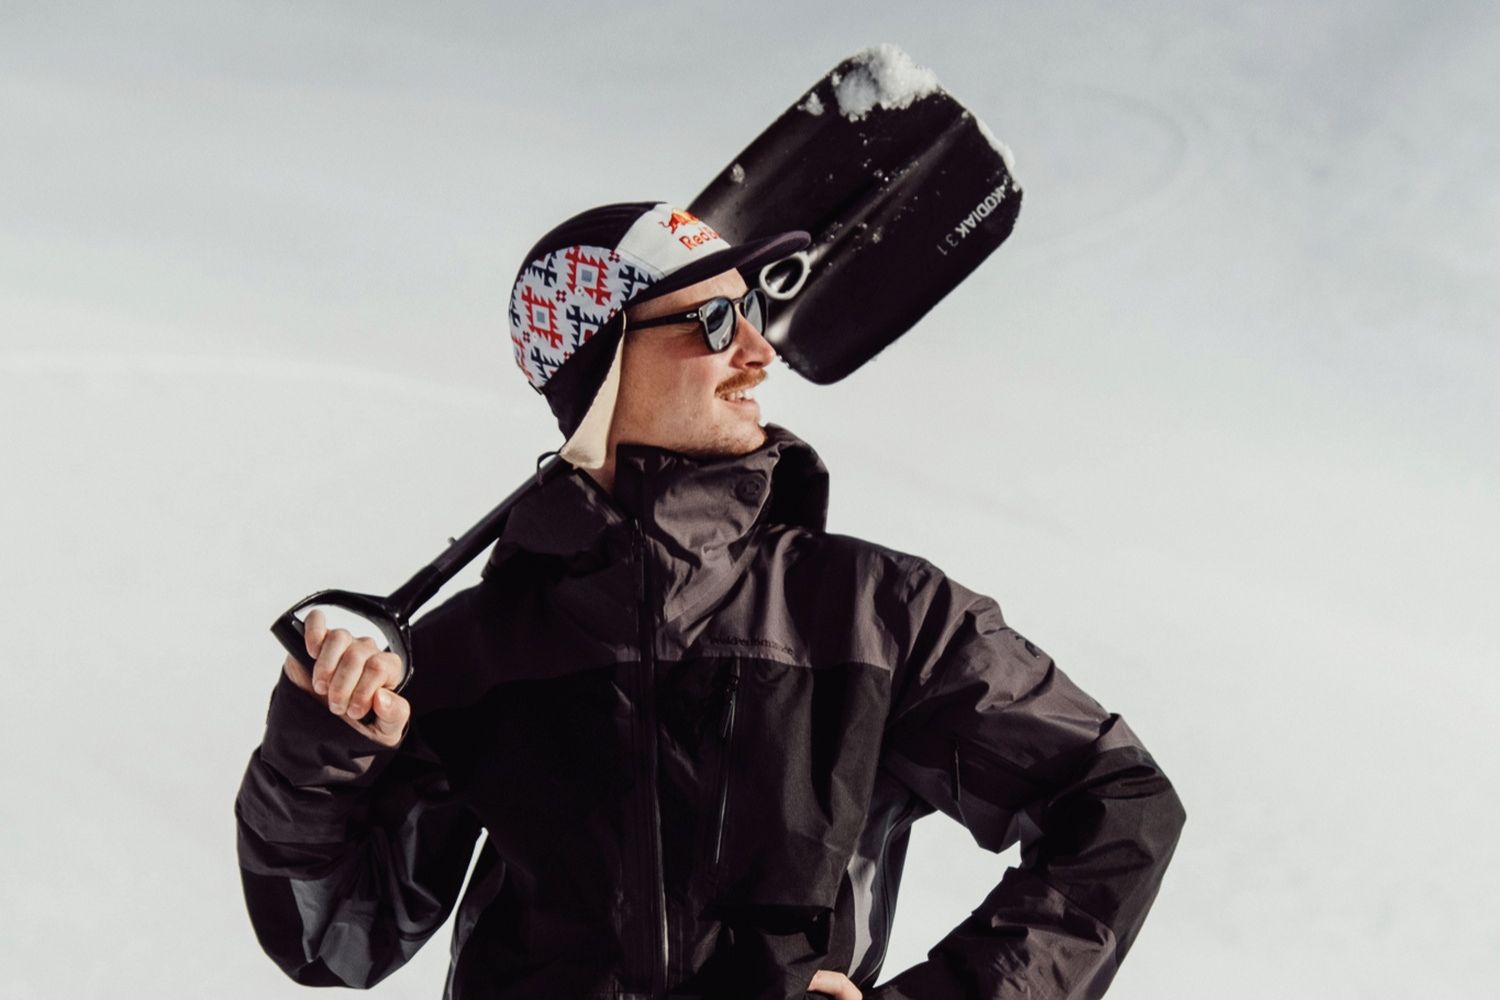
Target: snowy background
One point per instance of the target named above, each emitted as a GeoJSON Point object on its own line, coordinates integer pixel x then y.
{"type": "Point", "coordinates": [1216, 426]}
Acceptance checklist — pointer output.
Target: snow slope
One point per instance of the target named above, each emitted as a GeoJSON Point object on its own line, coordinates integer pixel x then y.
{"type": "Point", "coordinates": [1215, 427]}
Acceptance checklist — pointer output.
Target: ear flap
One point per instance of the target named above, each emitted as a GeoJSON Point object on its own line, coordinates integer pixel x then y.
{"type": "Point", "coordinates": [588, 445]}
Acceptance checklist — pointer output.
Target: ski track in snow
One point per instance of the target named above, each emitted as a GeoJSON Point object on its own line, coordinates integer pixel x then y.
{"type": "Point", "coordinates": [1116, 212]}
{"type": "Point", "coordinates": [1212, 427]}
{"type": "Point", "coordinates": [41, 365]}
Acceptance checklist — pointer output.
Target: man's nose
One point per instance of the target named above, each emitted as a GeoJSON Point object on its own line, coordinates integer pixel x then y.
{"type": "Point", "coordinates": [751, 348]}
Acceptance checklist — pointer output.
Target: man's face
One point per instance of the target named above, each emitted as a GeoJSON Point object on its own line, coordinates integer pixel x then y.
{"type": "Point", "coordinates": [673, 388]}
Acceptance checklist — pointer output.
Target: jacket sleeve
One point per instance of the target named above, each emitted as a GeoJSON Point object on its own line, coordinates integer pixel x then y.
{"type": "Point", "coordinates": [985, 728]}
{"type": "Point", "coordinates": [351, 854]}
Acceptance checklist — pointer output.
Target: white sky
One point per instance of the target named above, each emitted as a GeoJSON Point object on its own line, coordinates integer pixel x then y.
{"type": "Point", "coordinates": [1216, 426]}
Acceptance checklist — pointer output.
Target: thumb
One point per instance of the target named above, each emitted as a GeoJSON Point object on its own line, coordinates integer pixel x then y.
{"type": "Point", "coordinates": [391, 714]}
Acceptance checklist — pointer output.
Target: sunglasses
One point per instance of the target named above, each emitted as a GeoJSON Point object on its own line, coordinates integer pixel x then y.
{"type": "Point", "coordinates": [716, 318]}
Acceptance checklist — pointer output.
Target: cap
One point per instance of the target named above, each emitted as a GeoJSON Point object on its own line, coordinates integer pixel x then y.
{"type": "Point", "coordinates": [569, 298]}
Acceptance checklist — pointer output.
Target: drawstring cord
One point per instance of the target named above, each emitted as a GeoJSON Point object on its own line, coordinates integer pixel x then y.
{"type": "Point", "coordinates": [539, 459]}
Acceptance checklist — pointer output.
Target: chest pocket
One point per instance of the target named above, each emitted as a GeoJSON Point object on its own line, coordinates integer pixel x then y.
{"type": "Point", "coordinates": [799, 752]}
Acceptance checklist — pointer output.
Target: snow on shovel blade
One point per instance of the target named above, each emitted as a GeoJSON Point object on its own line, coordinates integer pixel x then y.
{"type": "Point", "coordinates": [904, 191]}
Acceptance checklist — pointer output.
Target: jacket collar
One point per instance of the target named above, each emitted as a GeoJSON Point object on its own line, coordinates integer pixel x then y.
{"type": "Point", "coordinates": [691, 503]}
{"type": "Point", "coordinates": [697, 514]}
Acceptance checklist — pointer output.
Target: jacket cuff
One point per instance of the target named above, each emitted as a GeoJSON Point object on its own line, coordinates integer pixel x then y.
{"type": "Point", "coordinates": [310, 746]}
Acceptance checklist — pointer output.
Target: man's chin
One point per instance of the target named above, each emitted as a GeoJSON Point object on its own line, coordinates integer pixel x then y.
{"type": "Point", "coordinates": [737, 442]}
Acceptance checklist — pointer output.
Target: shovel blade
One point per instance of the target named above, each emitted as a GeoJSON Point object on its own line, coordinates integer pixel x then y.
{"type": "Point", "coordinates": [903, 203]}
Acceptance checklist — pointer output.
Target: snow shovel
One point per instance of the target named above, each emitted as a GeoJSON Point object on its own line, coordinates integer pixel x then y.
{"type": "Point", "coordinates": [904, 192]}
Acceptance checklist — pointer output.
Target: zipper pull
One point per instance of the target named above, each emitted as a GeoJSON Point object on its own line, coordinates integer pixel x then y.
{"type": "Point", "coordinates": [638, 539]}
{"type": "Point", "coordinates": [734, 684]}
{"type": "Point", "coordinates": [955, 782]}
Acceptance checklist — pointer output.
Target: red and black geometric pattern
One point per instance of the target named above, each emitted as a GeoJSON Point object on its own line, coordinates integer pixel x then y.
{"type": "Point", "coordinates": [563, 299]}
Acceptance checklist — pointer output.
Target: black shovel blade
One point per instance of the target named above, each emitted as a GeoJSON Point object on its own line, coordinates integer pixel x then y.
{"type": "Point", "coordinates": [903, 203]}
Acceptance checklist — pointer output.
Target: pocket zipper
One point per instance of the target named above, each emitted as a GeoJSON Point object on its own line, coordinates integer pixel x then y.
{"type": "Point", "coordinates": [1031, 785]}
{"type": "Point", "coordinates": [726, 731]}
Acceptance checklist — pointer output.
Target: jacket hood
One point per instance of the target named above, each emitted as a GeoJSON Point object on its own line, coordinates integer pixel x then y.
{"type": "Point", "coordinates": [693, 500]}
{"type": "Point", "coordinates": [698, 512]}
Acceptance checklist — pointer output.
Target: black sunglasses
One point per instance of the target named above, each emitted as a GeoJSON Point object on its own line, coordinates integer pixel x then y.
{"type": "Point", "coordinates": [716, 317]}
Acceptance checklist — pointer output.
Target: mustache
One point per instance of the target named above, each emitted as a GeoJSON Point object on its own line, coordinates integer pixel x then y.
{"type": "Point", "coordinates": [747, 382]}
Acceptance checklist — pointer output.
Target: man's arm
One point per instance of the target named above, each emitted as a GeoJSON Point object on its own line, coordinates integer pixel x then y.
{"type": "Point", "coordinates": [987, 729]}
{"type": "Point", "coordinates": [351, 853]}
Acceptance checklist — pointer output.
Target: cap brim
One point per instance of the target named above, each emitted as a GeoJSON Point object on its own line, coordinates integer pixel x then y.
{"type": "Point", "coordinates": [756, 253]}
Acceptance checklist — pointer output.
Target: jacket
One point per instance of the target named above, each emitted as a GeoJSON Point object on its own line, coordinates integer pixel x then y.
{"type": "Point", "coordinates": [690, 730]}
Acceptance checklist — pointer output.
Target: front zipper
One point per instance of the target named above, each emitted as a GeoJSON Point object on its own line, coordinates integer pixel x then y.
{"type": "Point", "coordinates": [660, 963]}
{"type": "Point", "coordinates": [726, 731]}
{"type": "Point", "coordinates": [888, 917]}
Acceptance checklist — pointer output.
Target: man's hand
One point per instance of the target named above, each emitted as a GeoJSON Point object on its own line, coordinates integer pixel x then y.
{"type": "Point", "coordinates": [835, 984]}
{"type": "Point", "coordinates": [351, 675]}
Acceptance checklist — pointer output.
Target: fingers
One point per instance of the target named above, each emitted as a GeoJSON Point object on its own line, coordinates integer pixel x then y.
{"type": "Point", "coordinates": [313, 631]}
{"type": "Point", "coordinates": [349, 656]}
{"type": "Point", "coordinates": [342, 663]}
{"type": "Point", "coordinates": [391, 715]}
{"type": "Point", "coordinates": [330, 650]}
{"type": "Point", "coordinates": [383, 670]}
{"type": "Point", "coordinates": [354, 676]}
{"type": "Point", "coordinates": [835, 984]}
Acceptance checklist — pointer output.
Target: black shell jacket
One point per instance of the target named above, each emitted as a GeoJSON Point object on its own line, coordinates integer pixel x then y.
{"type": "Point", "coordinates": [694, 730]}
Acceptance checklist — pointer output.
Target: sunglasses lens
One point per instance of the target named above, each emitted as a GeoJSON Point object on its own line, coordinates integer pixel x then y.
{"type": "Point", "coordinates": [755, 309]}
{"type": "Point", "coordinates": [718, 320]}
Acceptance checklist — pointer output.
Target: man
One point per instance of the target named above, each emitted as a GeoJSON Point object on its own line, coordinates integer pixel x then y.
{"type": "Point", "coordinates": [694, 726]}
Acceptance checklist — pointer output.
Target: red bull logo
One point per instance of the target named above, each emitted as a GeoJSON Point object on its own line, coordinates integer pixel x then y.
{"type": "Point", "coordinates": [694, 238]}
{"type": "Point", "coordinates": [679, 218]}
{"type": "Point", "coordinates": [704, 235]}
